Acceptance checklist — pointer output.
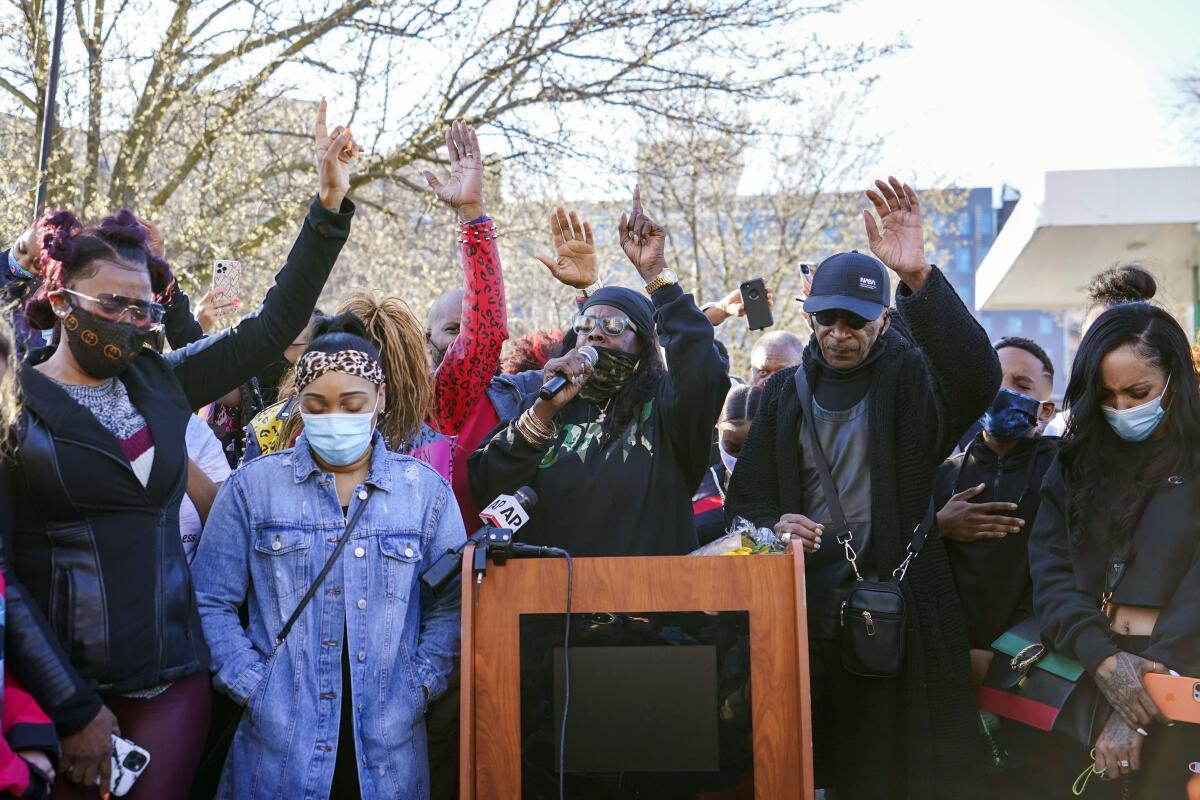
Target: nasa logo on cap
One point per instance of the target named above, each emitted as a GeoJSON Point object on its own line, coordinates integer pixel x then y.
{"type": "Point", "coordinates": [867, 283]}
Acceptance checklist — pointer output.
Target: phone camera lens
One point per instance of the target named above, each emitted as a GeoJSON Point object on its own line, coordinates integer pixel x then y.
{"type": "Point", "coordinates": [754, 294]}
{"type": "Point", "coordinates": [134, 761]}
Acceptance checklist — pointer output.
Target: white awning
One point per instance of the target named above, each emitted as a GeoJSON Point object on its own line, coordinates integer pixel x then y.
{"type": "Point", "coordinates": [1087, 221]}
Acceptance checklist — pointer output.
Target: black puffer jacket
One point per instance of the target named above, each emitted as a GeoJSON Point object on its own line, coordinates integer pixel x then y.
{"type": "Point", "coordinates": [100, 596]}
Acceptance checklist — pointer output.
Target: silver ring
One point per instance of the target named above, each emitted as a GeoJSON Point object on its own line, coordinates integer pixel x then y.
{"type": "Point", "coordinates": [785, 537]}
{"type": "Point", "coordinates": [1124, 764]}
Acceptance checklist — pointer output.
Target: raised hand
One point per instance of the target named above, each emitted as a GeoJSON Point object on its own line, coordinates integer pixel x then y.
{"type": "Point", "coordinates": [643, 240]}
{"type": "Point", "coordinates": [213, 308]}
{"type": "Point", "coordinates": [575, 253]}
{"type": "Point", "coordinates": [901, 244]}
{"type": "Point", "coordinates": [334, 153]}
{"type": "Point", "coordinates": [464, 190]}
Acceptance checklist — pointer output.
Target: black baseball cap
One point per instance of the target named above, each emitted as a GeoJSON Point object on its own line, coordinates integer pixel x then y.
{"type": "Point", "coordinates": [853, 282]}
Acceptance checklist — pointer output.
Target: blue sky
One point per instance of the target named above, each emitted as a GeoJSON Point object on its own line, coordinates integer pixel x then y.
{"type": "Point", "coordinates": [1001, 92]}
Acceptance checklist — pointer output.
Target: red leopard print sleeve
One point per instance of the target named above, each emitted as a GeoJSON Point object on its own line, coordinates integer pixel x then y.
{"type": "Point", "coordinates": [470, 362]}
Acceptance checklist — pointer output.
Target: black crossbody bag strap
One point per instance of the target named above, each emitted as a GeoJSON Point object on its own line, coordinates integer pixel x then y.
{"type": "Point", "coordinates": [810, 438]}
{"type": "Point", "coordinates": [844, 535]}
{"type": "Point", "coordinates": [216, 750]}
{"type": "Point", "coordinates": [316, 584]}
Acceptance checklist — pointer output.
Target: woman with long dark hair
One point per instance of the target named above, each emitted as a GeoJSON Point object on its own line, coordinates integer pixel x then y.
{"type": "Point", "coordinates": [1115, 549]}
{"type": "Point", "coordinates": [615, 455]}
{"type": "Point", "coordinates": [100, 601]}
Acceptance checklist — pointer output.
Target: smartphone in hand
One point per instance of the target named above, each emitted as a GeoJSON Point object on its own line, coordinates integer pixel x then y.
{"type": "Point", "coordinates": [1176, 696]}
{"type": "Point", "coordinates": [754, 300]}
{"type": "Point", "coordinates": [227, 278]}
{"type": "Point", "coordinates": [129, 762]}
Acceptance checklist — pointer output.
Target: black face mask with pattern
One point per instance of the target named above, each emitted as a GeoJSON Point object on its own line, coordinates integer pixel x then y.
{"type": "Point", "coordinates": [102, 348]}
{"type": "Point", "coordinates": [613, 371]}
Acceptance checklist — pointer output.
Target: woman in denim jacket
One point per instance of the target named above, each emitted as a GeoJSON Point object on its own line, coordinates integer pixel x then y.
{"type": "Point", "coordinates": [338, 709]}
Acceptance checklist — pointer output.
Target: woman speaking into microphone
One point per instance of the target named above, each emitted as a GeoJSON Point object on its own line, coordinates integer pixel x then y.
{"type": "Point", "coordinates": [617, 452]}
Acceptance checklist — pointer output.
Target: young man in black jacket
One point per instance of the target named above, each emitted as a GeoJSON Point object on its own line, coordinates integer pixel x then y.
{"type": "Point", "coordinates": [887, 413]}
{"type": "Point", "coordinates": [987, 498]}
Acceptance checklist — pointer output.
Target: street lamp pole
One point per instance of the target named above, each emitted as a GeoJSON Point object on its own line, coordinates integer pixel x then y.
{"type": "Point", "coordinates": [49, 108]}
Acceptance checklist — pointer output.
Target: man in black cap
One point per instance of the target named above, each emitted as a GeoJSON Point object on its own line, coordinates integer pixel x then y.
{"type": "Point", "coordinates": [887, 410]}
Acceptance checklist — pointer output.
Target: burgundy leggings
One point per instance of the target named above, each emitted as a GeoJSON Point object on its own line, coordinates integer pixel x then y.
{"type": "Point", "coordinates": [171, 727]}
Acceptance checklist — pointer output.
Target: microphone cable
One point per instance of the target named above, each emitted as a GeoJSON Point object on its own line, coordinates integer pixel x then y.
{"type": "Point", "coordinates": [562, 736]}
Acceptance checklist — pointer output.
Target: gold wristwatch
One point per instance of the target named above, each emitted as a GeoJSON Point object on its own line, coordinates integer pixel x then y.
{"type": "Point", "coordinates": [665, 278]}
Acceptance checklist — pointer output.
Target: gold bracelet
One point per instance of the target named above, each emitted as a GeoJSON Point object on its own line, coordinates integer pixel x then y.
{"type": "Point", "coordinates": [536, 432]}
{"type": "Point", "coordinates": [547, 429]}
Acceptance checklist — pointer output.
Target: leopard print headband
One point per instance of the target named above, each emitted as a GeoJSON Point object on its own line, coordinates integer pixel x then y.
{"type": "Point", "coordinates": [352, 362]}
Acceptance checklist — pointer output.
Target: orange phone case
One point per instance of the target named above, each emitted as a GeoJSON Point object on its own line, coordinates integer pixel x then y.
{"type": "Point", "coordinates": [1177, 697]}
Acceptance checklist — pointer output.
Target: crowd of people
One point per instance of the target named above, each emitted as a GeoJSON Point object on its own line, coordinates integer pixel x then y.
{"type": "Point", "coordinates": [212, 539]}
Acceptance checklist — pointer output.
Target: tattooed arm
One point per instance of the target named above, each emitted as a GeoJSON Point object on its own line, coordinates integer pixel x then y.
{"type": "Point", "coordinates": [1119, 749]}
{"type": "Point", "coordinates": [1120, 679]}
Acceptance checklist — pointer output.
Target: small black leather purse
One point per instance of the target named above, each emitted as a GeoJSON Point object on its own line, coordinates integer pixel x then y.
{"type": "Point", "coordinates": [874, 616]}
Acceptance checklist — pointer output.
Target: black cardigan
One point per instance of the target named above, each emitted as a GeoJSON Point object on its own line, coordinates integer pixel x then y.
{"type": "Point", "coordinates": [100, 599]}
{"type": "Point", "coordinates": [922, 397]}
{"type": "Point", "coordinates": [1068, 577]}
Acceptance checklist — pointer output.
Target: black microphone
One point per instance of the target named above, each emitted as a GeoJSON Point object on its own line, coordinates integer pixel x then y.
{"type": "Point", "coordinates": [506, 512]}
{"type": "Point", "coordinates": [558, 382]}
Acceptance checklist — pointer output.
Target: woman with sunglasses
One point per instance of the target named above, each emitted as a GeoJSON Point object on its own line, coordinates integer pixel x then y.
{"type": "Point", "coordinates": [616, 453]}
{"type": "Point", "coordinates": [100, 602]}
{"type": "Point", "coordinates": [1115, 549]}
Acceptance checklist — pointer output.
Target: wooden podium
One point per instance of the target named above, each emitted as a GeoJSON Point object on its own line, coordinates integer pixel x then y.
{"type": "Point", "coordinates": [769, 587]}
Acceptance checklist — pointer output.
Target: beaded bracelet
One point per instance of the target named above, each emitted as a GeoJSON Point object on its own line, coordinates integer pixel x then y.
{"type": "Point", "coordinates": [470, 234]}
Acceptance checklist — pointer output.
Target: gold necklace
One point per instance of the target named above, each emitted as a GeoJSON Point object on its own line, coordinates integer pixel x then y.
{"type": "Point", "coordinates": [604, 411]}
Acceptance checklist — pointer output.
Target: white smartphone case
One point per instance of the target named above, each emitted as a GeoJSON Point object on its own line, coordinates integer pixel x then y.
{"type": "Point", "coordinates": [129, 762]}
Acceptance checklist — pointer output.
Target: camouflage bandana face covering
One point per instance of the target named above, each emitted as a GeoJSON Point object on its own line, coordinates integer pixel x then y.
{"type": "Point", "coordinates": [612, 373]}
{"type": "Point", "coordinates": [102, 347]}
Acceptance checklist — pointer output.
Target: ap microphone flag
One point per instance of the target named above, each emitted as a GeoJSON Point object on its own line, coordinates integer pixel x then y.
{"type": "Point", "coordinates": [510, 511]}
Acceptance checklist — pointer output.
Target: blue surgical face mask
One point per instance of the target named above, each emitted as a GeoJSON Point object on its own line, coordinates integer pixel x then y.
{"type": "Point", "coordinates": [1138, 423]}
{"type": "Point", "coordinates": [340, 439]}
{"type": "Point", "coordinates": [1011, 416]}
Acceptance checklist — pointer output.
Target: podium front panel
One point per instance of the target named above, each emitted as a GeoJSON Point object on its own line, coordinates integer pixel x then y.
{"type": "Point", "coordinates": [659, 705]}
{"type": "Point", "coordinates": [760, 596]}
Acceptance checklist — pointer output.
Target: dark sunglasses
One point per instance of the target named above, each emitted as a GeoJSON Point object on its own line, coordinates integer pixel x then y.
{"type": "Point", "coordinates": [827, 319]}
{"type": "Point", "coordinates": [139, 313]}
{"type": "Point", "coordinates": [611, 326]}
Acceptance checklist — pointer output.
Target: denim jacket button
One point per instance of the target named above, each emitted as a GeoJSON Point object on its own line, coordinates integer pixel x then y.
{"type": "Point", "coordinates": [362, 494]}
{"type": "Point", "coordinates": [275, 545]}
{"type": "Point", "coordinates": [362, 603]}
{"type": "Point", "coordinates": [362, 656]}
{"type": "Point", "coordinates": [359, 552]}
{"type": "Point", "coordinates": [408, 552]}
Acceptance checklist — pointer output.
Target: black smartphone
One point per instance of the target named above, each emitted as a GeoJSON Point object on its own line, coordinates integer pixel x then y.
{"type": "Point", "coordinates": [754, 298]}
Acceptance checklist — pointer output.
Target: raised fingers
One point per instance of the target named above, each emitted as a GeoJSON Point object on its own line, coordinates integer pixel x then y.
{"type": "Point", "coordinates": [889, 195]}
{"type": "Point", "coordinates": [623, 227]}
{"type": "Point", "coordinates": [473, 142]}
{"type": "Point", "coordinates": [451, 146]}
{"type": "Point", "coordinates": [558, 226]}
{"type": "Point", "coordinates": [576, 228]}
{"type": "Point", "coordinates": [587, 233]}
{"type": "Point", "coordinates": [901, 195]}
{"type": "Point", "coordinates": [319, 130]}
{"type": "Point", "coordinates": [637, 199]}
